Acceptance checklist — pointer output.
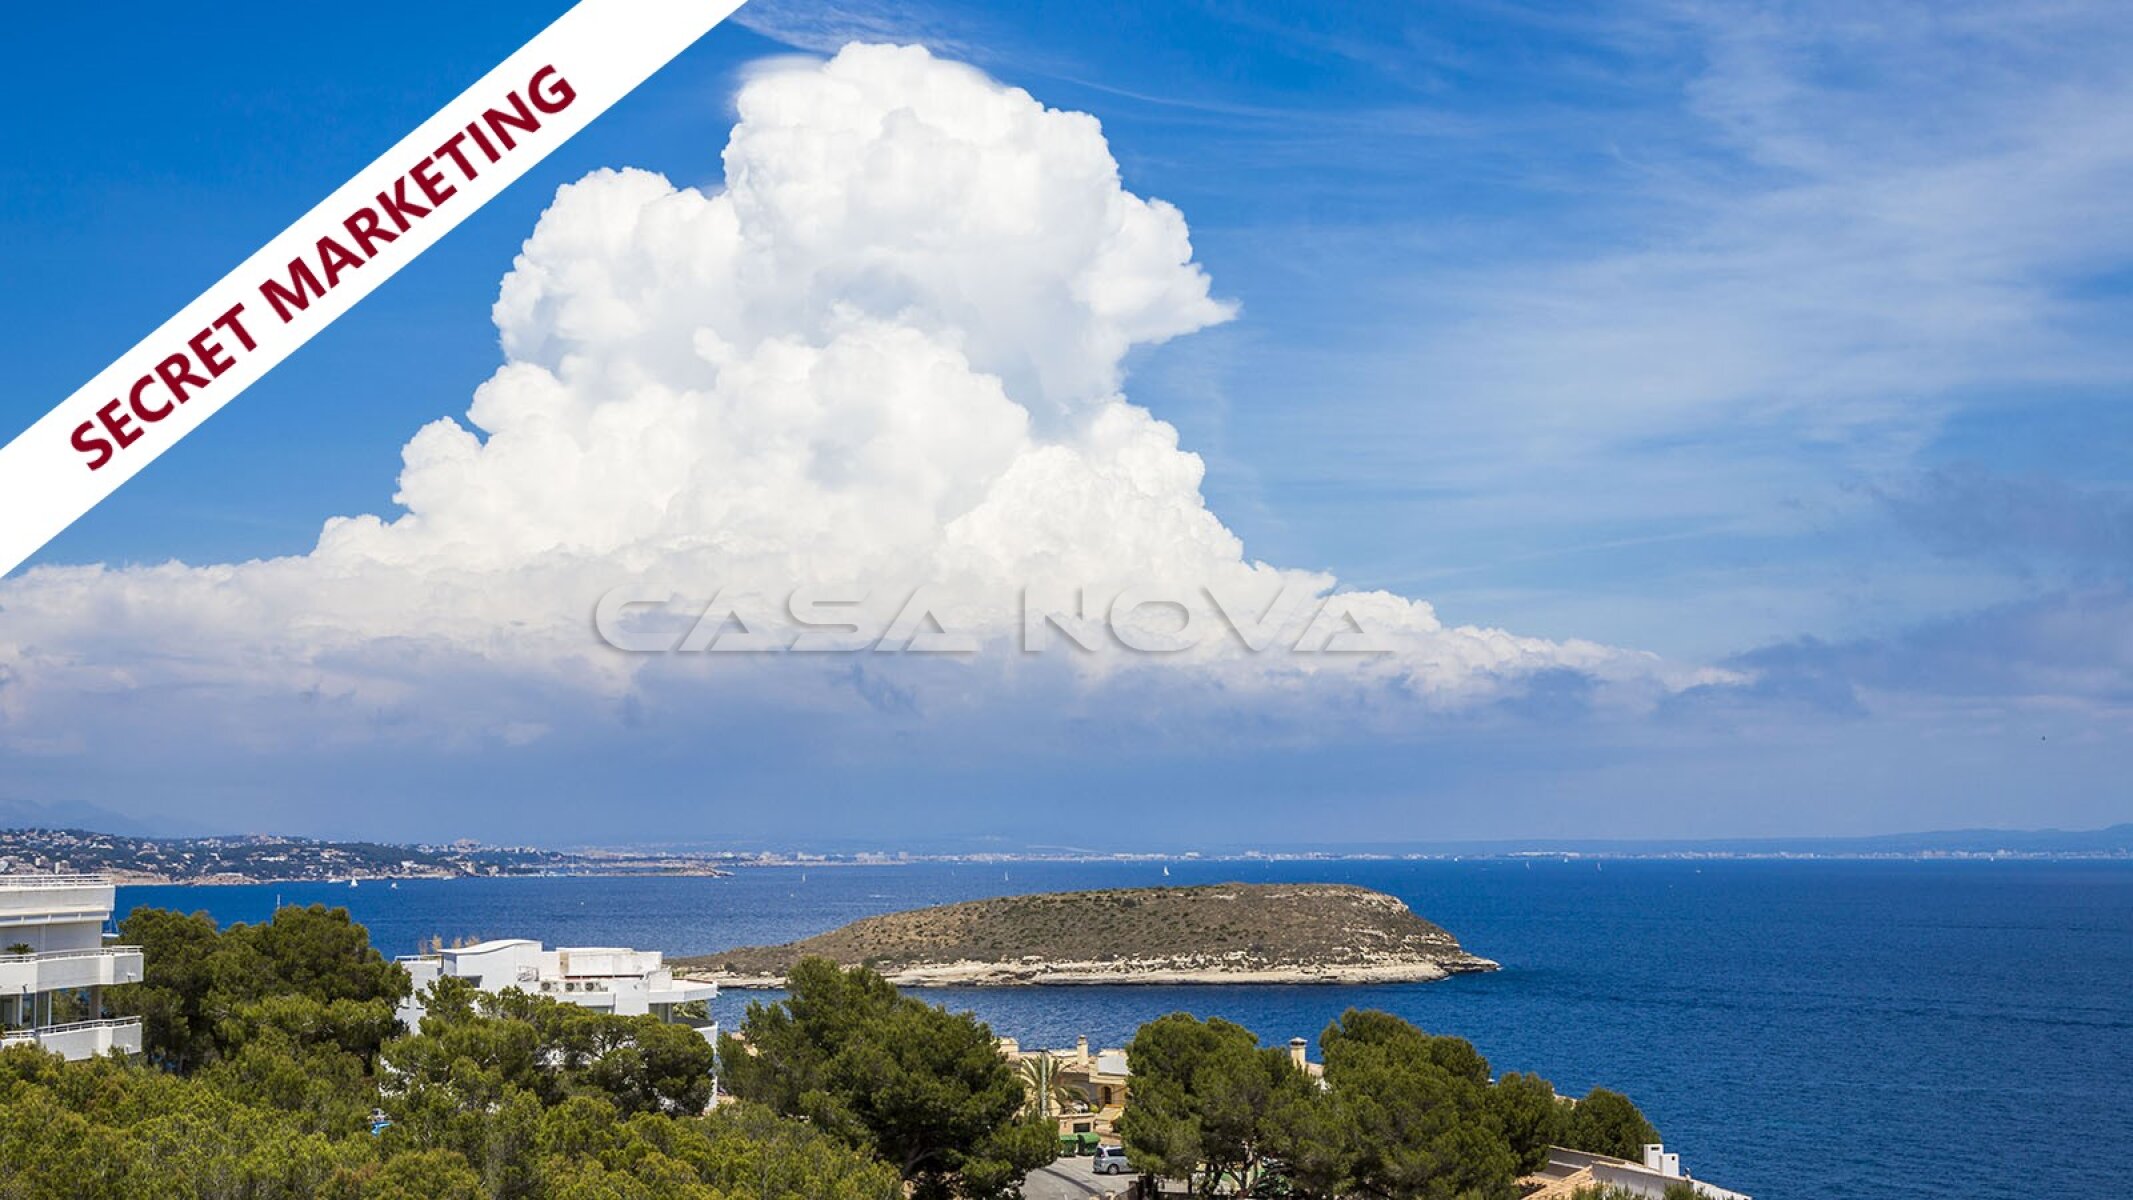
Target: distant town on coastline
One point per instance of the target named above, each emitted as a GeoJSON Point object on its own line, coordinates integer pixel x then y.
{"type": "Point", "coordinates": [274, 858]}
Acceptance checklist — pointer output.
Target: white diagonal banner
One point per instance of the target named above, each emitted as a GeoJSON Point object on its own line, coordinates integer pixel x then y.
{"type": "Point", "coordinates": [318, 268]}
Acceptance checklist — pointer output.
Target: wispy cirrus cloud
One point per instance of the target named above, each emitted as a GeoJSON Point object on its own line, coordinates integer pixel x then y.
{"type": "Point", "coordinates": [2032, 524]}
{"type": "Point", "coordinates": [1691, 309]}
{"type": "Point", "coordinates": [827, 26]}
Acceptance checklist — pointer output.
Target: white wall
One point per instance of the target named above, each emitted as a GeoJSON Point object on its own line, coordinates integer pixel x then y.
{"type": "Point", "coordinates": [98, 968]}
{"type": "Point", "coordinates": [54, 912]}
{"type": "Point", "coordinates": [89, 1039]}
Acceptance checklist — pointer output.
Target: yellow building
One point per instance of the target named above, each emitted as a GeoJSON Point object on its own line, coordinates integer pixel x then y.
{"type": "Point", "coordinates": [1085, 1091]}
{"type": "Point", "coordinates": [1088, 1091]}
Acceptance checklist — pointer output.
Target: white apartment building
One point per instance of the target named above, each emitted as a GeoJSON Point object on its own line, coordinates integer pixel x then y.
{"type": "Point", "coordinates": [54, 966]}
{"type": "Point", "coordinates": [1571, 1172]}
{"type": "Point", "coordinates": [628, 983]}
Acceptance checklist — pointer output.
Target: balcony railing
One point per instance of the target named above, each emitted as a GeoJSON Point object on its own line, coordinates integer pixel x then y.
{"type": "Point", "coordinates": [8, 882]}
{"type": "Point", "coordinates": [56, 955]}
{"type": "Point", "coordinates": [81, 1039]}
{"type": "Point", "coordinates": [73, 1026]}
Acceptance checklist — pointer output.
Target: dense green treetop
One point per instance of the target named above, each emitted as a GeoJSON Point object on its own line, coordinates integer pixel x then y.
{"type": "Point", "coordinates": [1208, 1102]}
{"type": "Point", "coordinates": [1532, 1117]}
{"type": "Point", "coordinates": [1398, 1114]}
{"type": "Point", "coordinates": [1417, 1111]}
{"type": "Point", "coordinates": [923, 1088]}
{"type": "Point", "coordinates": [1606, 1122]}
{"type": "Point", "coordinates": [200, 986]}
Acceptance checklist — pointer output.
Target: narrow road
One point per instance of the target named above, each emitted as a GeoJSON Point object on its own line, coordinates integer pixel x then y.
{"type": "Point", "coordinates": [1070, 1179]}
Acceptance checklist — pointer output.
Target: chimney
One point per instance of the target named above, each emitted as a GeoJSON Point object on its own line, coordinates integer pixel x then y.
{"type": "Point", "coordinates": [1081, 1051]}
{"type": "Point", "coordinates": [1296, 1052]}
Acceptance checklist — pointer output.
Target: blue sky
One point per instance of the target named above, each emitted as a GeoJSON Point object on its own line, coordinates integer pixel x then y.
{"type": "Point", "coordinates": [1787, 342]}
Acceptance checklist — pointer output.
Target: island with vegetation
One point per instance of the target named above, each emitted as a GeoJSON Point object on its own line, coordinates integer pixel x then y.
{"type": "Point", "coordinates": [1222, 933]}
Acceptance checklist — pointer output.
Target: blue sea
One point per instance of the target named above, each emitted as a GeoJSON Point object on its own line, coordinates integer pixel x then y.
{"type": "Point", "coordinates": [1797, 1030]}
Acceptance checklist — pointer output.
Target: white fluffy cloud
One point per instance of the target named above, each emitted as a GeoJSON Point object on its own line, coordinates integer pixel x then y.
{"type": "Point", "coordinates": [887, 354]}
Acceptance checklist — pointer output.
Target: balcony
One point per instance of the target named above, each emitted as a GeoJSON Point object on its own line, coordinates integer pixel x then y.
{"type": "Point", "coordinates": [65, 970]}
{"type": "Point", "coordinates": [52, 899]}
{"type": "Point", "coordinates": [80, 1039]}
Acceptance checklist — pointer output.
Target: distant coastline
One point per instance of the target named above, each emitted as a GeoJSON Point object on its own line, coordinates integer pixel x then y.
{"type": "Point", "coordinates": [266, 858]}
{"type": "Point", "coordinates": [269, 858]}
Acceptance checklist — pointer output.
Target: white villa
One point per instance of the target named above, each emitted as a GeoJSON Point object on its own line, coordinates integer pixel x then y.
{"type": "Point", "coordinates": [628, 983]}
{"type": "Point", "coordinates": [54, 966]}
{"type": "Point", "coordinates": [1572, 1172]}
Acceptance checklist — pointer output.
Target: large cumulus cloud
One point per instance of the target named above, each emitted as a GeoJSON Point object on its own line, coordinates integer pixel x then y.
{"type": "Point", "coordinates": [888, 354]}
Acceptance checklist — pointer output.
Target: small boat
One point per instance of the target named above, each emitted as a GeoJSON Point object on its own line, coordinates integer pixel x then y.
{"type": "Point", "coordinates": [351, 883]}
{"type": "Point", "coordinates": [394, 886]}
{"type": "Point", "coordinates": [1166, 872]}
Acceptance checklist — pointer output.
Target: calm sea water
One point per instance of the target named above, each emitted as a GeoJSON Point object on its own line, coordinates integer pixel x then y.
{"type": "Point", "coordinates": [1800, 1030]}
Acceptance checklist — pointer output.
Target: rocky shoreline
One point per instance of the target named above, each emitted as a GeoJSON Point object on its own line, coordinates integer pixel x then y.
{"type": "Point", "coordinates": [1113, 974]}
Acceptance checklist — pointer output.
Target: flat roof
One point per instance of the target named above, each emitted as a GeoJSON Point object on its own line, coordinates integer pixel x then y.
{"type": "Point", "coordinates": [495, 944]}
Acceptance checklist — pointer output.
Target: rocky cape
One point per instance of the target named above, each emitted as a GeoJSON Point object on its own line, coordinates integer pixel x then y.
{"type": "Point", "coordinates": [1231, 933]}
